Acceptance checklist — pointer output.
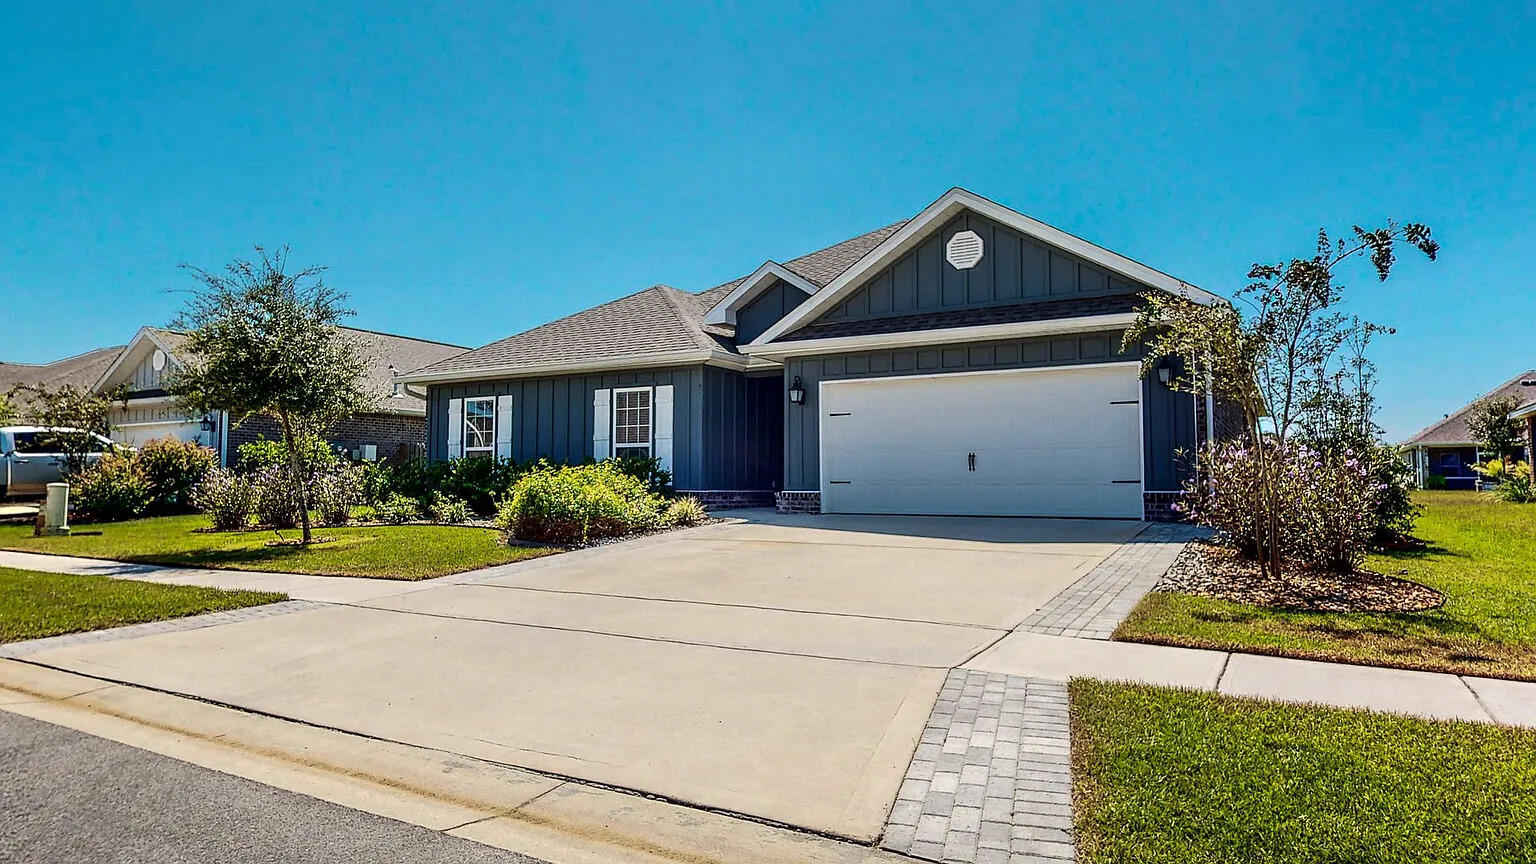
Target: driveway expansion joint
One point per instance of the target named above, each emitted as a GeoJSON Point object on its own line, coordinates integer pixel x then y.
{"type": "Point", "coordinates": [1094, 605]}
{"type": "Point", "coordinates": [991, 779]}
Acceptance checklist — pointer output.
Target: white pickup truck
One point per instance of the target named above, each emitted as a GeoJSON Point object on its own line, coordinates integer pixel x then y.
{"type": "Point", "coordinates": [30, 458]}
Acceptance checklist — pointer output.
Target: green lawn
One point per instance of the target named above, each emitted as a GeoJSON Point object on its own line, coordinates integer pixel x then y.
{"type": "Point", "coordinates": [384, 552]}
{"type": "Point", "coordinates": [34, 605]}
{"type": "Point", "coordinates": [1481, 555]}
{"type": "Point", "coordinates": [1164, 776]}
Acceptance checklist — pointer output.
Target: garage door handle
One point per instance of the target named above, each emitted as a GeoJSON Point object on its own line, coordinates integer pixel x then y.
{"type": "Point", "coordinates": [971, 461]}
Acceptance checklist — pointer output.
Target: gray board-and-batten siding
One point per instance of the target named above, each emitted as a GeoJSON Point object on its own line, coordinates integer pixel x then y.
{"type": "Point", "coordinates": [727, 427]}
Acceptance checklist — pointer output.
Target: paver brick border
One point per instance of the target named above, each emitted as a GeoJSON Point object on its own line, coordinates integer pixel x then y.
{"type": "Point", "coordinates": [1094, 605]}
{"type": "Point", "coordinates": [991, 780]}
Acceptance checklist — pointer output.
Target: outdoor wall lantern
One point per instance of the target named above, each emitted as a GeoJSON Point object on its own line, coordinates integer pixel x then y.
{"type": "Point", "coordinates": [797, 392]}
{"type": "Point", "coordinates": [207, 424]}
{"type": "Point", "coordinates": [1165, 371]}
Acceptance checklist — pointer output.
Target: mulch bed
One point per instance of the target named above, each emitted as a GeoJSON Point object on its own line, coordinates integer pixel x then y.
{"type": "Point", "coordinates": [1207, 569]}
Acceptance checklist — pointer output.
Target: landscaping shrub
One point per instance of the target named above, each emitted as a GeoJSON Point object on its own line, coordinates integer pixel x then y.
{"type": "Point", "coordinates": [277, 501]}
{"type": "Point", "coordinates": [684, 512]}
{"type": "Point", "coordinates": [110, 489]}
{"type": "Point", "coordinates": [448, 510]}
{"type": "Point", "coordinates": [397, 509]}
{"type": "Point", "coordinates": [479, 481]}
{"type": "Point", "coordinates": [577, 504]}
{"type": "Point", "coordinates": [414, 478]}
{"type": "Point", "coordinates": [1328, 501]}
{"type": "Point", "coordinates": [1395, 511]}
{"type": "Point", "coordinates": [646, 469]}
{"type": "Point", "coordinates": [1435, 481]}
{"type": "Point", "coordinates": [314, 454]}
{"type": "Point", "coordinates": [1514, 481]}
{"type": "Point", "coordinates": [335, 492]}
{"type": "Point", "coordinates": [227, 498]}
{"type": "Point", "coordinates": [173, 469]}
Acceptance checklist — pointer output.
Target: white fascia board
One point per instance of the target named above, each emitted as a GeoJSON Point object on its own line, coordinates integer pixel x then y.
{"type": "Point", "coordinates": [1523, 411]}
{"type": "Point", "coordinates": [635, 361]}
{"type": "Point", "coordinates": [724, 312]}
{"type": "Point", "coordinates": [940, 211]}
{"type": "Point", "coordinates": [943, 336]}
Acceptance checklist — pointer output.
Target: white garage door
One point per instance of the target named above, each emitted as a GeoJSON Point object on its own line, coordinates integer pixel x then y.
{"type": "Point", "coordinates": [1046, 442]}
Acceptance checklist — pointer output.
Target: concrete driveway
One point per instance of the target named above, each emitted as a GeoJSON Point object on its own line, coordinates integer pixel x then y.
{"type": "Point", "coordinates": [781, 666]}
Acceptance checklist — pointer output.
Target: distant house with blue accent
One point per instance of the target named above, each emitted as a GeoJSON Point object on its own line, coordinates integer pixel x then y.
{"type": "Point", "coordinates": [966, 361]}
{"type": "Point", "coordinates": [1445, 450]}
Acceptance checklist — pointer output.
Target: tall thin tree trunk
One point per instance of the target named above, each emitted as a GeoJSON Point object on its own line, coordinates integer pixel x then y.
{"type": "Point", "coordinates": [298, 474]}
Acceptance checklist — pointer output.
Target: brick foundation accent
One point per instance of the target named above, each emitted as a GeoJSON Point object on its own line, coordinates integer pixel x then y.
{"type": "Point", "coordinates": [1158, 506]}
{"type": "Point", "coordinates": [797, 502]}
{"type": "Point", "coordinates": [730, 499]}
{"type": "Point", "coordinates": [396, 435]}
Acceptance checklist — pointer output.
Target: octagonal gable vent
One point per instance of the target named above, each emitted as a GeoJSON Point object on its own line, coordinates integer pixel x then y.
{"type": "Point", "coordinates": [963, 251]}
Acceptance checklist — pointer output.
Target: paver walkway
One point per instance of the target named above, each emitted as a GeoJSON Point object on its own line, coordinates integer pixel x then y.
{"type": "Point", "coordinates": [1093, 606]}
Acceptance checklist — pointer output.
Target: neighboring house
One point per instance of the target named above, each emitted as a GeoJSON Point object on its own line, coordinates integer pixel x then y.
{"type": "Point", "coordinates": [1446, 448]}
{"type": "Point", "coordinates": [79, 371]}
{"type": "Point", "coordinates": [143, 369]}
{"type": "Point", "coordinates": [965, 361]}
{"type": "Point", "coordinates": [1527, 414]}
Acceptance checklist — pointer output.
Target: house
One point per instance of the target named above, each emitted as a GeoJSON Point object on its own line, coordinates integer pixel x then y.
{"type": "Point", "coordinates": [1527, 414]}
{"type": "Point", "coordinates": [1446, 449]}
{"type": "Point", "coordinates": [142, 371]}
{"type": "Point", "coordinates": [965, 361]}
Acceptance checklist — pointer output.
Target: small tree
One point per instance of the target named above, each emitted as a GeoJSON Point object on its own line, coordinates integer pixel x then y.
{"type": "Point", "coordinates": [1491, 427]}
{"type": "Point", "coordinates": [8, 412]}
{"type": "Point", "coordinates": [72, 415]}
{"type": "Point", "coordinates": [1281, 361]}
{"type": "Point", "coordinates": [261, 340]}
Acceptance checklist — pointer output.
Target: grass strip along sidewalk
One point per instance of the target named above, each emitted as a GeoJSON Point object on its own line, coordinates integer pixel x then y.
{"type": "Point", "coordinates": [1164, 776]}
{"type": "Point", "coordinates": [34, 605]}
{"type": "Point", "coordinates": [406, 552]}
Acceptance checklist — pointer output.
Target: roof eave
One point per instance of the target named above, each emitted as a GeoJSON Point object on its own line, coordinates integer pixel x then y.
{"type": "Point", "coordinates": [632, 361]}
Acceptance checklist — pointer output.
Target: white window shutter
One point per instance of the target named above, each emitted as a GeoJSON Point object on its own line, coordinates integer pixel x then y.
{"type": "Point", "coordinates": [602, 424]}
{"type": "Point", "coordinates": [455, 428]}
{"type": "Point", "coordinates": [504, 426]}
{"type": "Point", "coordinates": [661, 413]}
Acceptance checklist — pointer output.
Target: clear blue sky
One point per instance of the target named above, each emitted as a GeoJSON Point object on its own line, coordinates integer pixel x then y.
{"type": "Point", "coordinates": [467, 174]}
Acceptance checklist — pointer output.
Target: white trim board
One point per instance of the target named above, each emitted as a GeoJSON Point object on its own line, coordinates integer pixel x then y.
{"type": "Point", "coordinates": [942, 336]}
{"type": "Point", "coordinates": [936, 214]}
{"type": "Point", "coordinates": [724, 312]}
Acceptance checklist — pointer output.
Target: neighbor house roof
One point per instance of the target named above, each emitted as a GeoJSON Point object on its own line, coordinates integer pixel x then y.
{"type": "Point", "coordinates": [656, 324]}
{"type": "Point", "coordinates": [1452, 430]}
{"type": "Point", "coordinates": [387, 353]}
{"type": "Point", "coordinates": [79, 371]}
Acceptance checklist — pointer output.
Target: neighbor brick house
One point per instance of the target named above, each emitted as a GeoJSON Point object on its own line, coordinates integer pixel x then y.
{"type": "Point", "coordinates": [396, 425]}
{"type": "Point", "coordinates": [965, 361]}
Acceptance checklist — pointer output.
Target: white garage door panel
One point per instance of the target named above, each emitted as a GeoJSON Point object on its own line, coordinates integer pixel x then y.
{"type": "Point", "coordinates": [1047, 443]}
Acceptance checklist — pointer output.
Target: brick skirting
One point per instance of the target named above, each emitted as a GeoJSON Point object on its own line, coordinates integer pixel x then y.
{"type": "Point", "coordinates": [797, 502]}
{"type": "Point", "coordinates": [1158, 506]}
{"type": "Point", "coordinates": [730, 499]}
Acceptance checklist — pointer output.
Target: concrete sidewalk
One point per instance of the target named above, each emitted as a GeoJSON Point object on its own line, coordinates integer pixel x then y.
{"type": "Point", "coordinates": [1434, 695]}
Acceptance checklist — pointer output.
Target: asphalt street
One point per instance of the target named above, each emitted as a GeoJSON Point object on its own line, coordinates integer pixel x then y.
{"type": "Point", "coordinates": [70, 797]}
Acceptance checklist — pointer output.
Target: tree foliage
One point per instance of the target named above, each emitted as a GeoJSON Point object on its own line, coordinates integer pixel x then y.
{"type": "Point", "coordinates": [1293, 362]}
{"type": "Point", "coordinates": [262, 340]}
{"type": "Point", "coordinates": [1491, 427]}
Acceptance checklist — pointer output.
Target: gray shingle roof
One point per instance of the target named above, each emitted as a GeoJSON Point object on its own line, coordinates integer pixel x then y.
{"type": "Point", "coordinates": [659, 320]}
{"type": "Point", "coordinates": [1453, 429]}
{"type": "Point", "coordinates": [79, 371]}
